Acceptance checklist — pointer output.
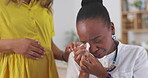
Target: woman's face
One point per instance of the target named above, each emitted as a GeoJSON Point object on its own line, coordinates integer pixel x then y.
{"type": "Point", "coordinates": [98, 34]}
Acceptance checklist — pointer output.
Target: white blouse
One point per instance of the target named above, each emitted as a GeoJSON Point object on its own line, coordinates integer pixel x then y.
{"type": "Point", "coordinates": [132, 62]}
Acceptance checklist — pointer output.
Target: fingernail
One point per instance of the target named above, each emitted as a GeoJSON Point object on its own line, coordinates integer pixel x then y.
{"type": "Point", "coordinates": [37, 58]}
{"type": "Point", "coordinates": [42, 56]}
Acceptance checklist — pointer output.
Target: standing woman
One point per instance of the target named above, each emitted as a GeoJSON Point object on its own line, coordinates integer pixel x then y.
{"type": "Point", "coordinates": [26, 46]}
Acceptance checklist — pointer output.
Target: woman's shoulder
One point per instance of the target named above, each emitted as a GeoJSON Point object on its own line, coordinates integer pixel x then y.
{"type": "Point", "coordinates": [132, 49]}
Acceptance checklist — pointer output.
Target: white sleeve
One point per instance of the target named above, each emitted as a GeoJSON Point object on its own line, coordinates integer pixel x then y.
{"type": "Point", "coordinates": [73, 67]}
{"type": "Point", "coordinates": [141, 65]}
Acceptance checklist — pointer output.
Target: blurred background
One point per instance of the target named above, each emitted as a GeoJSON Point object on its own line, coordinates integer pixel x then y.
{"type": "Point", "coordinates": [130, 18]}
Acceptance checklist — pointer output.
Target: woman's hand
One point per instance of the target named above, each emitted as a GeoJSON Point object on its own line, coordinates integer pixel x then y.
{"type": "Point", "coordinates": [91, 65]}
{"type": "Point", "coordinates": [69, 48]}
{"type": "Point", "coordinates": [78, 52]}
{"type": "Point", "coordinates": [27, 47]}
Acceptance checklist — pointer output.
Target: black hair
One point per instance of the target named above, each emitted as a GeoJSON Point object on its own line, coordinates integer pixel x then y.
{"type": "Point", "coordinates": [93, 9]}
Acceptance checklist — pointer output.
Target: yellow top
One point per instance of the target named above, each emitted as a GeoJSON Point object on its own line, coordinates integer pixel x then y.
{"type": "Point", "coordinates": [26, 21]}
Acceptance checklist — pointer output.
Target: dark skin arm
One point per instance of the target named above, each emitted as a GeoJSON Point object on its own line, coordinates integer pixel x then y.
{"type": "Point", "coordinates": [83, 75]}
{"type": "Point", "coordinates": [57, 52]}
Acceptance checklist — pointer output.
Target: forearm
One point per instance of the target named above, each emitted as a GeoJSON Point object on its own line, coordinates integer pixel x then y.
{"type": "Point", "coordinates": [107, 75]}
{"type": "Point", "coordinates": [5, 45]}
{"type": "Point", "coordinates": [83, 75]}
{"type": "Point", "coordinates": [57, 52]}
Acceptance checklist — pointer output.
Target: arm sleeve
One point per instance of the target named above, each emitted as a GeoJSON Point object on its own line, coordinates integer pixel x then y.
{"type": "Point", "coordinates": [73, 67]}
{"type": "Point", "coordinates": [141, 65]}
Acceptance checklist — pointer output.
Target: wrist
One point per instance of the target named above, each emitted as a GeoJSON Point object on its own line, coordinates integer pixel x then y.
{"type": "Point", "coordinates": [105, 75]}
{"type": "Point", "coordinates": [7, 44]}
{"type": "Point", "coordinates": [63, 57]}
{"type": "Point", "coordinates": [10, 44]}
{"type": "Point", "coordinates": [83, 75]}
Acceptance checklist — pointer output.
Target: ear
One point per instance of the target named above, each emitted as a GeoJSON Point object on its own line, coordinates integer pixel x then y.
{"type": "Point", "coordinates": [112, 28]}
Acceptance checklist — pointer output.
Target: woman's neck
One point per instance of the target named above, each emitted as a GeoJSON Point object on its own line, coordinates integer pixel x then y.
{"type": "Point", "coordinates": [113, 48]}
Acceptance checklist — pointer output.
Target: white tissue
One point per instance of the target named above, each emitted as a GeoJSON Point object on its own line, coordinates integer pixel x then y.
{"type": "Point", "coordinates": [87, 46]}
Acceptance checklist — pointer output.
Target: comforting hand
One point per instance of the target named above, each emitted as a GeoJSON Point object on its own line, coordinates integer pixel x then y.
{"type": "Point", "coordinates": [91, 65]}
{"type": "Point", "coordinates": [69, 48]}
{"type": "Point", "coordinates": [27, 47]}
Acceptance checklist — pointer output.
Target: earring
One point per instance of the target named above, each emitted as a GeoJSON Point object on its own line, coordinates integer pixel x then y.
{"type": "Point", "coordinates": [114, 39]}
{"type": "Point", "coordinates": [113, 36]}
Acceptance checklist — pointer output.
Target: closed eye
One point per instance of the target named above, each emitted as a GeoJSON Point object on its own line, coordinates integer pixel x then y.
{"type": "Point", "coordinates": [98, 40]}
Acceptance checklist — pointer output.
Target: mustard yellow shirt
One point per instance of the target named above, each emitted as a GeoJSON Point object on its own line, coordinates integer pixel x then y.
{"type": "Point", "coordinates": [26, 21]}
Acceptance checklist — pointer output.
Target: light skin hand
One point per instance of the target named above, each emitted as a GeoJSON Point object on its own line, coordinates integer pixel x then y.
{"type": "Point", "coordinates": [27, 47]}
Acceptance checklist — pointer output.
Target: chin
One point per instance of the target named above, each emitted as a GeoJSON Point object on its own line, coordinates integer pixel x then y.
{"type": "Point", "coordinates": [99, 56]}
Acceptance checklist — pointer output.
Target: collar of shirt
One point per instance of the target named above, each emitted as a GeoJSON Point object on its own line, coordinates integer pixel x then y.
{"type": "Point", "coordinates": [107, 60]}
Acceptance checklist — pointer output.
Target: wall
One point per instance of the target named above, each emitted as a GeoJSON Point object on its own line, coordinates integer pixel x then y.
{"type": "Point", "coordinates": [114, 8]}
{"type": "Point", "coordinates": [63, 11]}
{"type": "Point", "coordinates": [65, 14]}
